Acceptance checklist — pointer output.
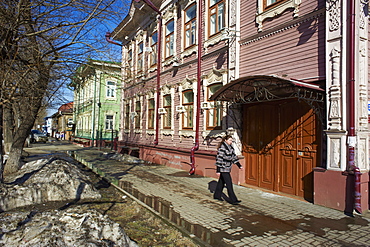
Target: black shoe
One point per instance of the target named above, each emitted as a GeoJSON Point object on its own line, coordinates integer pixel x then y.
{"type": "Point", "coordinates": [236, 202]}
{"type": "Point", "coordinates": [219, 199]}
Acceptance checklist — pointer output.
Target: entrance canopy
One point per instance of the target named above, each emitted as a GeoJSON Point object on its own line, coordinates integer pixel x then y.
{"type": "Point", "coordinates": [263, 88]}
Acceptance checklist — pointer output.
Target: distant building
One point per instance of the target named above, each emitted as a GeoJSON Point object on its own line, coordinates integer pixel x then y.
{"type": "Point", "coordinates": [97, 103]}
{"type": "Point", "coordinates": [62, 122]}
{"type": "Point", "coordinates": [48, 126]}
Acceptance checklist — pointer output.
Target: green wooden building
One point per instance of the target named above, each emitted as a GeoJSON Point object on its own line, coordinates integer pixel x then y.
{"type": "Point", "coordinates": [97, 103]}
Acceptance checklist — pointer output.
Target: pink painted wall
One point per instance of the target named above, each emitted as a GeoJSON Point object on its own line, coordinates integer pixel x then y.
{"type": "Point", "coordinates": [335, 190]}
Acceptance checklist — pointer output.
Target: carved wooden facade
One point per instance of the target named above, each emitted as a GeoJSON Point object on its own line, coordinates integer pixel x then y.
{"type": "Point", "coordinates": [283, 62]}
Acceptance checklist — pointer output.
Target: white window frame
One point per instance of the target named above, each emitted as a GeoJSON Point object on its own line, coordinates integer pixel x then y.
{"type": "Point", "coordinates": [169, 45]}
{"type": "Point", "coordinates": [190, 26]}
{"type": "Point", "coordinates": [109, 123]}
{"type": "Point", "coordinates": [111, 88]}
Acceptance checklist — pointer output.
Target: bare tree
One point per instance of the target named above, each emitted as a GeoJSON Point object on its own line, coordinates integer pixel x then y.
{"type": "Point", "coordinates": [41, 42]}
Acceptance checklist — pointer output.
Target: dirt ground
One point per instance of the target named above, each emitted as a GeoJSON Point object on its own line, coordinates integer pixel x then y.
{"type": "Point", "coordinates": [142, 226]}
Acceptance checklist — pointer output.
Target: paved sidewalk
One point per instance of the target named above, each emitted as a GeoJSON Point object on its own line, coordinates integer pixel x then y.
{"type": "Point", "coordinates": [261, 219]}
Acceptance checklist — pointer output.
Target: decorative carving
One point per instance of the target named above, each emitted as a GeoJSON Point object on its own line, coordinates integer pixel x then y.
{"type": "Point", "coordinates": [213, 40]}
{"type": "Point", "coordinates": [150, 132]}
{"type": "Point", "coordinates": [232, 54]}
{"type": "Point", "coordinates": [292, 24]}
{"type": "Point", "coordinates": [169, 13]}
{"type": "Point", "coordinates": [185, 3]}
{"type": "Point", "coordinates": [334, 109]}
{"type": "Point", "coordinates": [187, 83]}
{"type": "Point", "coordinates": [335, 116]}
{"type": "Point", "coordinates": [335, 65]}
{"type": "Point", "coordinates": [335, 151]}
{"type": "Point", "coordinates": [189, 51]}
{"type": "Point", "coordinates": [362, 154]}
{"type": "Point", "coordinates": [186, 133]}
{"type": "Point", "coordinates": [213, 134]}
{"type": "Point", "coordinates": [261, 15]}
{"type": "Point", "coordinates": [167, 132]}
{"type": "Point", "coordinates": [363, 18]}
{"type": "Point", "coordinates": [334, 14]}
{"type": "Point", "coordinates": [166, 89]}
{"type": "Point", "coordinates": [214, 76]}
{"type": "Point", "coordinates": [151, 94]}
{"type": "Point", "coordinates": [233, 14]}
{"type": "Point", "coordinates": [362, 88]}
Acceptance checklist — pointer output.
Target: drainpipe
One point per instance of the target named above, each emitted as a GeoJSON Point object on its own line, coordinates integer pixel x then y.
{"type": "Point", "coordinates": [199, 71]}
{"type": "Point", "coordinates": [107, 38]}
{"type": "Point", "coordinates": [159, 45]}
{"type": "Point", "coordinates": [351, 106]}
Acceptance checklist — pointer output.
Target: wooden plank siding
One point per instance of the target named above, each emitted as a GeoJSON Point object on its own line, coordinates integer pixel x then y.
{"type": "Point", "coordinates": [283, 54]}
{"type": "Point", "coordinates": [248, 25]}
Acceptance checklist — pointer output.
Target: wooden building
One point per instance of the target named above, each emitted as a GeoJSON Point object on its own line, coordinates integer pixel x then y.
{"type": "Point", "coordinates": [287, 78]}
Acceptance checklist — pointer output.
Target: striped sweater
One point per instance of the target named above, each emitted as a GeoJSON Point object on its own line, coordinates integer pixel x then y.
{"type": "Point", "coordinates": [226, 157]}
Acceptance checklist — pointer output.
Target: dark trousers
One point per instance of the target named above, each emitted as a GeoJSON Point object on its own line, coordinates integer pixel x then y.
{"type": "Point", "coordinates": [225, 179]}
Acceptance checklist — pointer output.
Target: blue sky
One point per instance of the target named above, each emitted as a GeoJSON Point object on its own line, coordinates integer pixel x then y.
{"type": "Point", "coordinates": [96, 35]}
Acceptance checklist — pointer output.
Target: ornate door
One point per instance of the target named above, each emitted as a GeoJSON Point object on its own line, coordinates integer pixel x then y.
{"type": "Point", "coordinates": [259, 145]}
{"type": "Point", "coordinates": [280, 144]}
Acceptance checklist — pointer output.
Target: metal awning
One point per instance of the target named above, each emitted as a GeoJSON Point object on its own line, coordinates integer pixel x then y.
{"type": "Point", "coordinates": [263, 88]}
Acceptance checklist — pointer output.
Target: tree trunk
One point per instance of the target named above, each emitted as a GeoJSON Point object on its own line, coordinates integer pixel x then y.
{"type": "Point", "coordinates": [14, 160]}
{"type": "Point", "coordinates": [1, 146]}
{"type": "Point", "coordinates": [9, 127]}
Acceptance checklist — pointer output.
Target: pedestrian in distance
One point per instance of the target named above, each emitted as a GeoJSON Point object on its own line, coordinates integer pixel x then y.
{"type": "Point", "coordinates": [226, 157]}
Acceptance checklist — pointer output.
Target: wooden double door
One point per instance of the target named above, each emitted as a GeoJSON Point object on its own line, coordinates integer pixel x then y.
{"type": "Point", "coordinates": [281, 144]}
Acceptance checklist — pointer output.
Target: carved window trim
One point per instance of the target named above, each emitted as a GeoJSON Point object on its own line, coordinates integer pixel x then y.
{"type": "Point", "coordinates": [274, 10]}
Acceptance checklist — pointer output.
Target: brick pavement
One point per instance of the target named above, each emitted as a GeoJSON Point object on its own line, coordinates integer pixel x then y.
{"type": "Point", "coordinates": [261, 219]}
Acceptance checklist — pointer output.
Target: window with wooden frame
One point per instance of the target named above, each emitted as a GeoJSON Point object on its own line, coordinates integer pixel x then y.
{"type": "Point", "coordinates": [151, 115]}
{"type": "Point", "coordinates": [190, 25]}
{"type": "Point", "coordinates": [138, 114]}
{"type": "Point", "coordinates": [271, 3]}
{"type": "Point", "coordinates": [216, 16]}
{"type": "Point", "coordinates": [140, 58]}
{"type": "Point", "coordinates": [170, 39]}
{"type": "Point", "coordinates": [111, 89]}
{"type": "Point", "coordinates": [153, 45]}
{"type": "Point", "coordinates": [214, 112]}
{"type": "Point", "coordinates": [167, 117]}
{"type": "Point", "coordinates": [129, 64]}
{"type": "Point", "coordinates": [109, 122]}
{"type": "Point", "coordinates": [188, 103]}
{"type": "Point", "coordinates": [127, 116]}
